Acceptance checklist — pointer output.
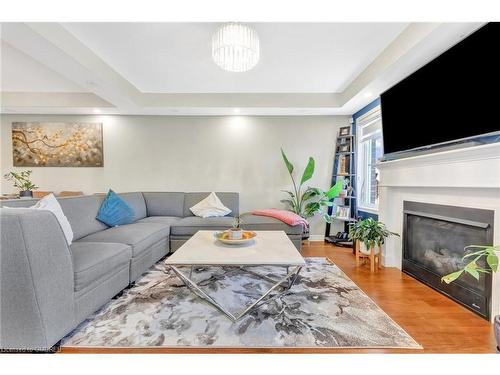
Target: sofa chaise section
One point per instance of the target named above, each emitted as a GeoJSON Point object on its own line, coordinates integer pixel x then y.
{"type": "Point", "coordinates": [37, 300]}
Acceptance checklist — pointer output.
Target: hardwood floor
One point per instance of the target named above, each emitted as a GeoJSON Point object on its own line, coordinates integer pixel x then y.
{"type": "Point", "coordinates": [435, 322]}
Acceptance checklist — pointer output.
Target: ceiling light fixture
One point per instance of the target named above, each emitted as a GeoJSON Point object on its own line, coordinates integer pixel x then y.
{"type": "Point", "coordinates": [235, 47]}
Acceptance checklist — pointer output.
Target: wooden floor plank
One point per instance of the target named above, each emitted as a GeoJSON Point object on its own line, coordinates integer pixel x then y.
{"type": "Point", "coordinates": [435, 322]}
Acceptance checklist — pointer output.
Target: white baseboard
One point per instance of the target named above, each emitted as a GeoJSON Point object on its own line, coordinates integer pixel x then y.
{"type": "Point", "coordinates": [316, 237]}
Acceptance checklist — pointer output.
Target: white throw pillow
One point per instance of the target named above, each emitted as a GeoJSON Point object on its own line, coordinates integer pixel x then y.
{"type": "Point", "coordinates": [211, 206]}
{"type": "Point", "coordinates": [50, 203]}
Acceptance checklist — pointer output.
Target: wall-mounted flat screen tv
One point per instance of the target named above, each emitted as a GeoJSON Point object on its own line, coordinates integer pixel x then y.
{"type": "Point", "coordinates": [454, 97]}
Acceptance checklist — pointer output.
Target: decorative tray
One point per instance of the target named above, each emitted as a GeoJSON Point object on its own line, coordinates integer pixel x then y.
{"type": "Point", "coordinates": [224, 237]}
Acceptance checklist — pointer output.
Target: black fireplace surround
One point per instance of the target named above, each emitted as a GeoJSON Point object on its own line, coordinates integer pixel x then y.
{"type": "Point", "coordinates": [434, 237]}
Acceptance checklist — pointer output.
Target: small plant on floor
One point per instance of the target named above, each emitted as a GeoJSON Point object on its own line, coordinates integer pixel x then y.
{"type": "Point", "coordinates": [370, 232]}
{"type": "Point", "coordinates": [310, 201]}
{"type": "Point", "coordinates": [22, 182]}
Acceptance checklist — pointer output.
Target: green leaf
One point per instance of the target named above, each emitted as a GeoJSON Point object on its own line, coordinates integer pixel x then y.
{"type": "Point", "coordinates": [334, 190]}
{"type": "Point", "coordinates": [289, 165]}
{"type": "Point", "coordinates": [452, 276]}
{"type": "Point", "coordinates": [473, 272]}
{"type": "Point", "coordinates": [492, 261]}
{"type": "Point", "coordinates": [308, 172]}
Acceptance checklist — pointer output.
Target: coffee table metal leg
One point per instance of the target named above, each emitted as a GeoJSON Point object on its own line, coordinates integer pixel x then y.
{"type": "Point", "coordinates": [257, 303]}
{"type": "Point", "coordinates": [290, 278]}
{"type": "Point", "coordinates": [196, 289]}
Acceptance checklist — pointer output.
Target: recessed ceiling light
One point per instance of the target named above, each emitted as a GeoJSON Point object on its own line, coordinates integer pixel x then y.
{"type": "Point", "coordinates": [368, 94]}
{"type": "Point", "coordinates": [97, 110]}
{"type": "Point", "coordinates": [236, 110]}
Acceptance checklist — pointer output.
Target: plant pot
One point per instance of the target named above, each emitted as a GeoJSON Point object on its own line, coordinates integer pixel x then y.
{"type": "Point", "coordinates": [236, 233]}
{"type": "Point", "coordinates": [365, 250]}
{"type": "Point", "coordinates": [25, 194]}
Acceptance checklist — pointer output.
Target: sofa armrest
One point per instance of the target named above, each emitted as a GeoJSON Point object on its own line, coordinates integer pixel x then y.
{"type": "Point", "coordinates": [36, 280]}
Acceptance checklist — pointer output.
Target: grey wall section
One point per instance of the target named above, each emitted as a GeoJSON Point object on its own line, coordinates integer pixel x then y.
{"type": "Point", "coordinates": [167, 153]}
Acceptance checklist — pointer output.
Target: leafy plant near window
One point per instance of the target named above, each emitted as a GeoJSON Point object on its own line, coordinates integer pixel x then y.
{"type": "Point", "coordinates": [472, 268]}
{"type": "Point", "coordinates": [371, 232]}
{"type": "Point", "coordinates": [21, 180]}
{"type": "Point", "coordinates": [310, 201]}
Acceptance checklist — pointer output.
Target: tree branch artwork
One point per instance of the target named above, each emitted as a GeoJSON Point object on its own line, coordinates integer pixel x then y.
{"type": "Point", "coordinates": [56, 144]}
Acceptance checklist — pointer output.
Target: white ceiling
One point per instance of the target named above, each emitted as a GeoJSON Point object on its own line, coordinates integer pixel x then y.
{"type": "Point", "coordinates": [295, 57]}
{"type": "Point", "coordinates": [21, 73]}
{"type": "Point", "coordinates": [166, 68]}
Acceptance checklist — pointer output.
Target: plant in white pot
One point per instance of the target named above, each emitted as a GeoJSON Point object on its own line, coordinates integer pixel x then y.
{"type": "Point", "coordinates": [236, 233]}
{"type": "Point", "coordinates": [479, 252]}
{"type": "Point", "coordinates": [370, 235]}
{"type": "Point", "coordinates": [22, 182]}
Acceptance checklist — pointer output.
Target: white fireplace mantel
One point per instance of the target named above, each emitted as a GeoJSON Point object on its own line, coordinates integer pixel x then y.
{"type": "Point", "coordinates": [468, 177]}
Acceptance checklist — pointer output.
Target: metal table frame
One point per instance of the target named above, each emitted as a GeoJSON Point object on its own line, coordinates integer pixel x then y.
{"type": "Point", "coordinates": [289, 279]}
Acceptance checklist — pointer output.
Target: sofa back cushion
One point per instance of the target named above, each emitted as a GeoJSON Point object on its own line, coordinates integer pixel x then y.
{"type": "Point", "coordinates": [81, 213]}
{"type": "Point", "coordinates": [164, 203]}
{"type": "Point", "coordinates": [137, 203]}
{"type": "Point", "coordinates": [230, 200]}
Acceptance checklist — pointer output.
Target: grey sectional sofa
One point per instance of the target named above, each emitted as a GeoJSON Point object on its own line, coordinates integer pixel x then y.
{"type": "Point", "coordinates": [48, 287]}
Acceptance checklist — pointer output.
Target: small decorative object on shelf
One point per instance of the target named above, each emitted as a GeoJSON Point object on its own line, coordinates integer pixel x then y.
{"type": "Point", "coordinates": [345, 130]}
{"type": "Point", "coordinates": [344, 148]}
{"type": "Point", "coordinates": [22, 182]}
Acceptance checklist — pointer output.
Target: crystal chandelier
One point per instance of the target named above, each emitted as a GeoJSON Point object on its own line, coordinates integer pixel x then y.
{"type": "Point", "coordinates": [235, 47]}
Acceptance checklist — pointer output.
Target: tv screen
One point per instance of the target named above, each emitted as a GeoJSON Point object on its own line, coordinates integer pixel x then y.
{"type": "Point", "coordinates": [450, 98]}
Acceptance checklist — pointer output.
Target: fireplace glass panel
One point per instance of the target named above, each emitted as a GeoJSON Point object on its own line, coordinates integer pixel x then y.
{"type": "Point", "coordinates": [438, 245]}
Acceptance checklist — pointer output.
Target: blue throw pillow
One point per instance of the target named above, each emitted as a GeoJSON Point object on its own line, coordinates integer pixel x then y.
{"type": "Point", "coordinates": [114, 211]}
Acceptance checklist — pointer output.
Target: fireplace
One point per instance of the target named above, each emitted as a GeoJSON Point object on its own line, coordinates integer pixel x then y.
{"type": "Point", "coordinates": [434, 237]}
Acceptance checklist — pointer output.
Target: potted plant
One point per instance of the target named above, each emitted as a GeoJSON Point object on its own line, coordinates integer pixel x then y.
{"type": "Point", "coordinates": [370, 233]}
{"type": "Point", "coordinates": [310, 201]}
{"type": "Point", "coordinates": [490, 254]}
{"type": "Point", "coordinates": [22, 182]}
{"type": "Point", "coordinates": [236, 233]}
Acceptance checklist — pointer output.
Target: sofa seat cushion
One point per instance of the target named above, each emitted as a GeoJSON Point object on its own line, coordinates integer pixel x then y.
{"type": "Point", "coordinates": [256, 222]}
{"type": "Point", "coordinates": [95, 260]}
{"type": "Point", "coordinates": [165, 220]}
{"type": "Point", "coordinates": [140, 236]}
{"type": "Point", "coordinates": [190, 225]}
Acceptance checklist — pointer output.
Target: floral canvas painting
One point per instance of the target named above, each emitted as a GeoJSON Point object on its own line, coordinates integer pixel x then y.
{"type": "Point", "coordinates": [57, 144]}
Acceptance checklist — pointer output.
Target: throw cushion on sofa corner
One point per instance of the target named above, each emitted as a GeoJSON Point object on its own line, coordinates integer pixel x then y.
{"type": "Point", "coordinates": [114, 211]}
{"type": "Point", "coordinates": [211, 206]}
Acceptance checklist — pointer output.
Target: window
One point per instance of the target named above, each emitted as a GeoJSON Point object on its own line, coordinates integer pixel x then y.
{"type": "Point", "coordinates": [370, 150]}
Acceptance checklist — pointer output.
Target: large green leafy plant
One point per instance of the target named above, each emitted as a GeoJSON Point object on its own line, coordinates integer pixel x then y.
{"type": "Point", "coordinates": [472, 268]}
{"type": "Point", "coordinates": [370, 232]}
{"type": "Point", "coordinates": [310, 201]}
{"type": "Point", "coordinates": [21, 180]}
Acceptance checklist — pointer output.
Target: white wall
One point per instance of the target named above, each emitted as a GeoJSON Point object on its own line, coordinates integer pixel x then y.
{"type": "Point", "coordinates": [162, 153]}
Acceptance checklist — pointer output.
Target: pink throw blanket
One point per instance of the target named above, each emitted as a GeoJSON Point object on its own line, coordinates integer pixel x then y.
{"type": "Point", "coordinates": [287, 217]}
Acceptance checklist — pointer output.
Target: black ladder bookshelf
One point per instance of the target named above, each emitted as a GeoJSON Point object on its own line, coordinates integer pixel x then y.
{"type": "Point", "coordinates": [344, 168]}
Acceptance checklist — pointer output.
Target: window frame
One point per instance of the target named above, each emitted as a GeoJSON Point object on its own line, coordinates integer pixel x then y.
{"type": "Point", "coordinates": [369, 118]}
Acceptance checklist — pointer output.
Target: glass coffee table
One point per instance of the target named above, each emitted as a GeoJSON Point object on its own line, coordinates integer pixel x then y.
{"type": "Point", "coordinates": [269, 248]}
